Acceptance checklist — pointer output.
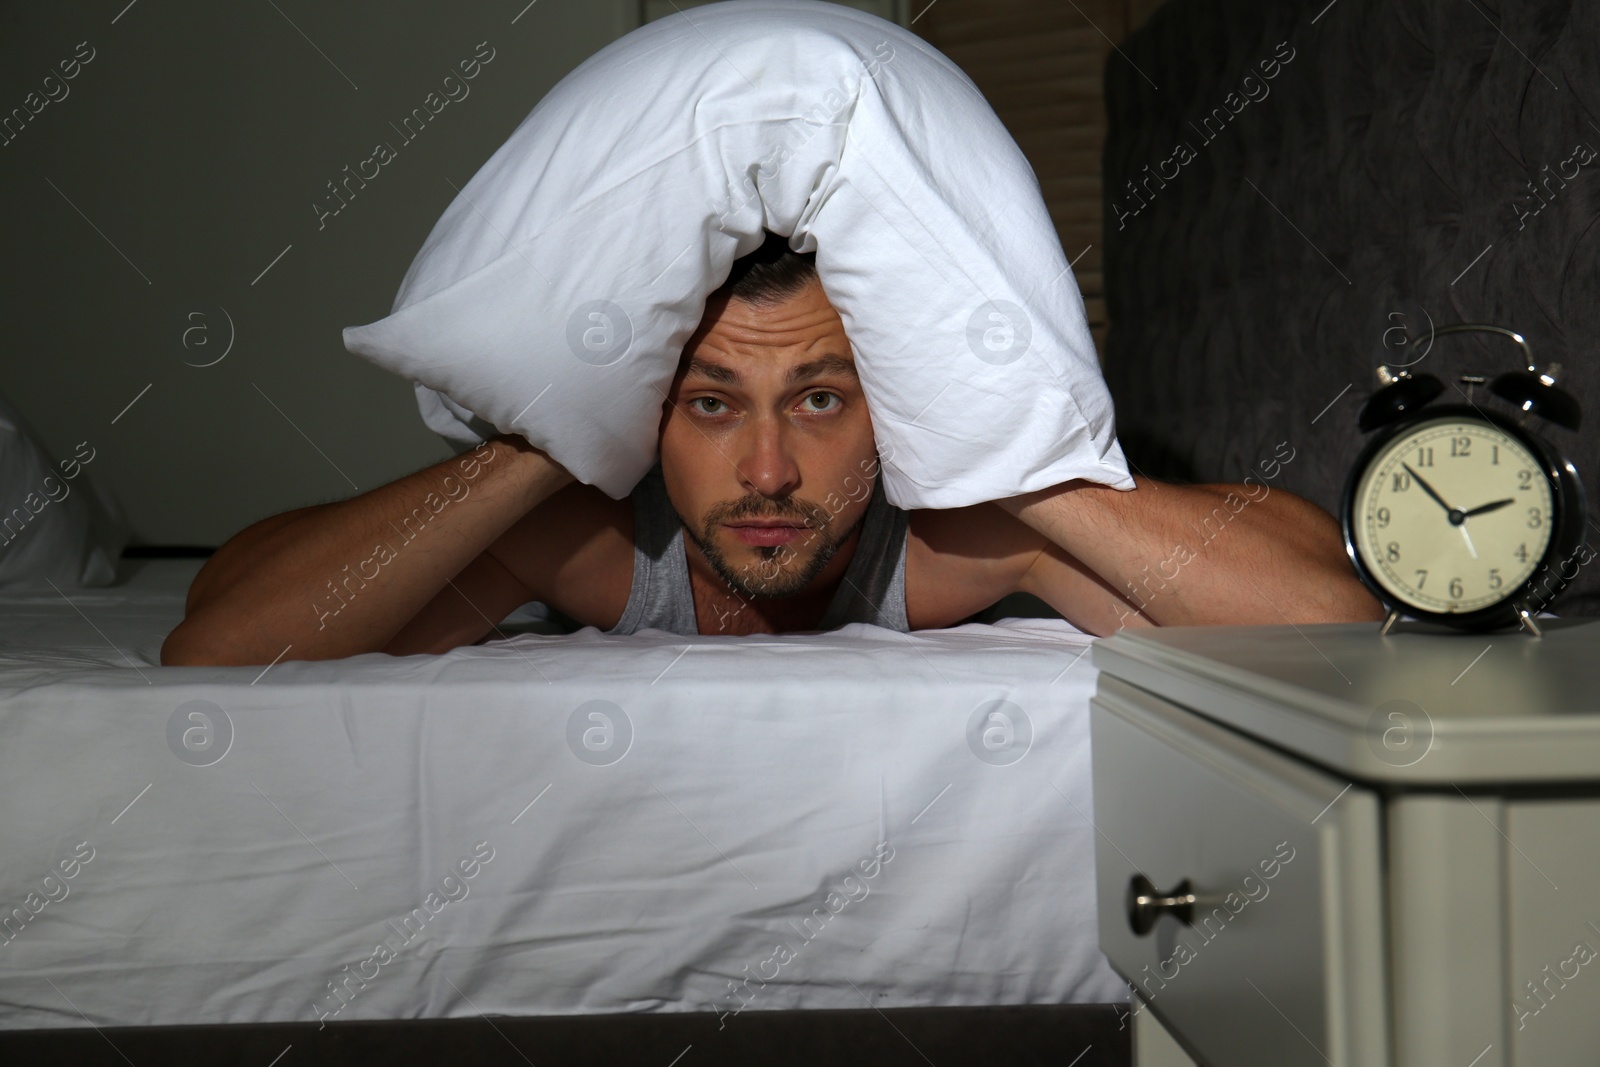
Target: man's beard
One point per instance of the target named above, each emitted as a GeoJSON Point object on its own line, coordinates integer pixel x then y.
{"type": "Point", "coordinates": [776, 572]}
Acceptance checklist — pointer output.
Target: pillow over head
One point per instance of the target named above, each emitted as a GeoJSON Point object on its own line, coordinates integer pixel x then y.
{"type": "Point", "coordinates": [554, 296]}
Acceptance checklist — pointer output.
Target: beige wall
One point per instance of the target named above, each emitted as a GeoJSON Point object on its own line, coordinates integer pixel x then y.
{"type": "Point", "coordinates": [145, 205]}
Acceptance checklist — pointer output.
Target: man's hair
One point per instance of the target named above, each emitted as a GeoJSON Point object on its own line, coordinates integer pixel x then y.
{"type": "Point", "coordinates": [770, 274]}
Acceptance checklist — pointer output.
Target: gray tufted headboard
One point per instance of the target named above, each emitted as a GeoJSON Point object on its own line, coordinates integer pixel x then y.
{"type": "Point", "coordinates": [1369, 173]}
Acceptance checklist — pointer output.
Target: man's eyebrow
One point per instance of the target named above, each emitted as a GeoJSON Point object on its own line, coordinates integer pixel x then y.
{"type": "Point", "coordinates": [715, 371]}
{"type": "Point", "coordinates": [814, 368]}
{"type": "Point", "coordinates": [818, 368]}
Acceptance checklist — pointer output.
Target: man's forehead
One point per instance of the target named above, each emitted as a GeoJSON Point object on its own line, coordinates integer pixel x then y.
{"type": "Point", "coordinates": [802, 332]}
{"type": "Point", "coordinates": [801, 315]}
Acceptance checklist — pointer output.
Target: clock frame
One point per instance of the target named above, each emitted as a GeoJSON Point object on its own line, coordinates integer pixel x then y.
{"type": "Point", "coordinates": [1565, 523]}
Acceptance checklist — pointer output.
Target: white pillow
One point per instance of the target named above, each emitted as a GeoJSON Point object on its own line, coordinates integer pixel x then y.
{"type": "Point", "coordinates": [57, 525]}
{"type": "Point", "coordinates": [554, 296]}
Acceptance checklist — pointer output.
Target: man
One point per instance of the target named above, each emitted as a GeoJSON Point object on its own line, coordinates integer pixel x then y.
{"type": "Point", "coordinates": [764, 515]}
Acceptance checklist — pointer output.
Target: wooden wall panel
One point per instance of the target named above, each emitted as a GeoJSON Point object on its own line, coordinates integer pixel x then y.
{"type": "Point", "coordinates": [1040, 64]}
{"type": "Point", "coordinates": [1139, 10]}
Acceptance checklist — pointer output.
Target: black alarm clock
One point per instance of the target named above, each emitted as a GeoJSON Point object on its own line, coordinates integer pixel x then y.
{"type": "Point", "coordinates": [1457, 515]}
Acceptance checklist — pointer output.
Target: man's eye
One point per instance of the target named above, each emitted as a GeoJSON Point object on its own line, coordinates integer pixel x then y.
{"type": "Point", "coordinates": [825, 398]}
{"type": "Point", "coordinates": [705, 400]}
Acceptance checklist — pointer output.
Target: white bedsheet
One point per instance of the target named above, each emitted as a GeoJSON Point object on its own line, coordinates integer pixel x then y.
{"type": "Point", "coordinates": [760, 773]}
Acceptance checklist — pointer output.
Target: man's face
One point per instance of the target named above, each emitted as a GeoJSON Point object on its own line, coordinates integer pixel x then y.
{"type": "Point", "coordinates": [766, 442]}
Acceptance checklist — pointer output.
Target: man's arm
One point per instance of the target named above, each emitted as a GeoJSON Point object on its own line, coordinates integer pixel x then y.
{"type": "Point", "coordinates": [339, 579]}
{"type": "Point", "coordinates": [1203, 555]}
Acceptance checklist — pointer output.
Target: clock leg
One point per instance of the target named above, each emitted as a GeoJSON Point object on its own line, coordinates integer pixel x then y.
{"type": "Point", "coordinates": [1525, 617]}
{"type": "Point", "coordinates": [1394, 615]}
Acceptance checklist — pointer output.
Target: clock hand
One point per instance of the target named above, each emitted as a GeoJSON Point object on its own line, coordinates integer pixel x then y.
{"type": "Point", "coordinates": [1426, 488]}
{"type": "Point", "coordinates": [1463, 529]}
{"type": "Point", "coordinates": [1485, 509]}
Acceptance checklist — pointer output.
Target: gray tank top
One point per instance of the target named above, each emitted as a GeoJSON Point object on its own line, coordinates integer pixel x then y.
{"type": "Point", "coordinates": [873, 590]}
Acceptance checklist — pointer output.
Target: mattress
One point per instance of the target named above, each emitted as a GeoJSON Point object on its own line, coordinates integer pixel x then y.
{"type": "Point", "coordinates": [543, 824]}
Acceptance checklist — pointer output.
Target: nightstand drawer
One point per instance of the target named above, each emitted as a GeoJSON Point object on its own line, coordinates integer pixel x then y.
{"type": "Point", "coordinates": [1283, 963]}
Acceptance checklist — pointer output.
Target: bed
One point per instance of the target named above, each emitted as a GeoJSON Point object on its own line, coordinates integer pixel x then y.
{"type": "Point", "coordinates": [547, 838]}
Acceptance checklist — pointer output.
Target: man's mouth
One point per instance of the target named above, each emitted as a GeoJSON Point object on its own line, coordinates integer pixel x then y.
{"type": "Point", "coordinates": [772, 532]}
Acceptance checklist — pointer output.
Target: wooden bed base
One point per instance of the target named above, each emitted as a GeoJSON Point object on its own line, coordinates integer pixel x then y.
{"type": "Point", "coordinates": [1080, 1035]}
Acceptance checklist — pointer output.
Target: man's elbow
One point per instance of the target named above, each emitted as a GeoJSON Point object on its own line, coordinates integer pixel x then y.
{"type": "Point", "coordinates": [1301, 548]}
{"type": "Point", "coordinates": [189, 645]}
{"type": "Point", "coordinates": [184, 647]}
{"type": "Point", "coordinates": [1355, 603]}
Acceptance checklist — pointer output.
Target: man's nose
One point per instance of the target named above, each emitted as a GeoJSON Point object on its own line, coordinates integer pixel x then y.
{"type": "Point", "coordinates": [765, 465]}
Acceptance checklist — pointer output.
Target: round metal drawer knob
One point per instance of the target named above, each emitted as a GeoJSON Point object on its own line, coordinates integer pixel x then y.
{"type": "Point", "coordinates": [1146, 904]}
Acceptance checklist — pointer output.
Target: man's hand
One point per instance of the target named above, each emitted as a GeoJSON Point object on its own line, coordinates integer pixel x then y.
{"type": "Point", "coordinates": [1205, 555]}
{"type": "Point", "coordinates": [338, 579]}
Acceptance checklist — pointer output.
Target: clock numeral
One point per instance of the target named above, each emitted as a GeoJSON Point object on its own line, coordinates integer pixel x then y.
{"type": "Point", "coordinates": [1425, 456]}
{"type": "Point", "coordinates": [1455, 587]}
{"type": "Point", "coordinates": [1534, 518]}
{"type": "Point", "coordinates": [1383, 518]}
{"type": "Point", "coordinates": [1422, 576]}
{"type": "Point", "coordinates": [1521, 553]}
{"type": "Point", "coordinates": [1495, 452]}
{"type": "Point", "coordinates": [1526, 478]}
{"type": "Point", "coordinates": [1495, 581]}
{"type": "Point", "coordinates": [1460, 446]}
{"type": "Point", "coordinates": [1402, 482]}
{"type": "Point", "coordinates": [1392, 550]}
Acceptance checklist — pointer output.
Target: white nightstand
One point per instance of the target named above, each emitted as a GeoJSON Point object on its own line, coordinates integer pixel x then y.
{"type": "Point", "coordinates": [1392, 845]}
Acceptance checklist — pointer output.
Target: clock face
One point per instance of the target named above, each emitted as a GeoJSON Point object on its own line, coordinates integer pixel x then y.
{"type": "Point", "coordinates": [1453, 516]}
